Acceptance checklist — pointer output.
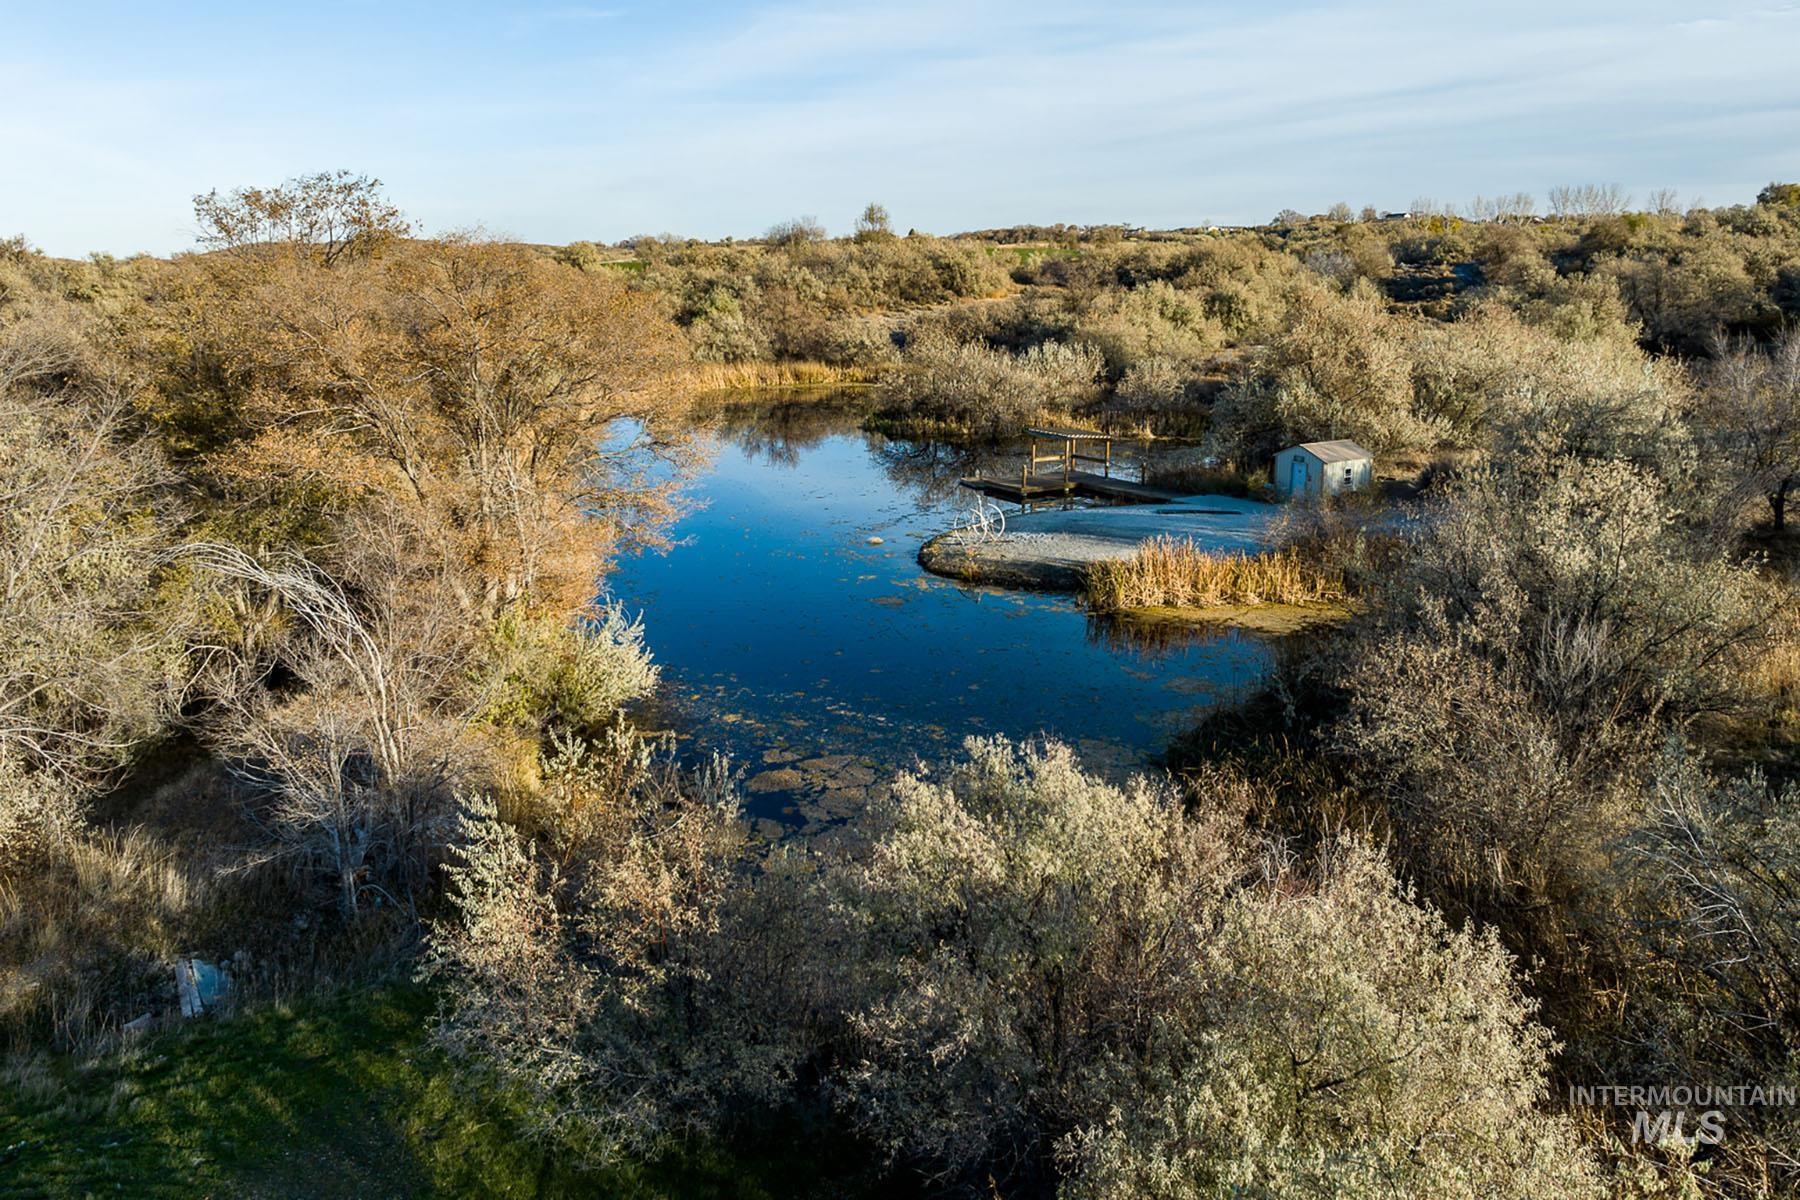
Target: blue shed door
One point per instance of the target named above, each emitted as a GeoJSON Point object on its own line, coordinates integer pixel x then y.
{"type": "Point", "coordinates": [1297, 476]}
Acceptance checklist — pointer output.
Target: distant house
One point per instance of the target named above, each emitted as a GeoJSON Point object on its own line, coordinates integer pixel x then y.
{"type": "Point", "coordinates": [1314, 469]}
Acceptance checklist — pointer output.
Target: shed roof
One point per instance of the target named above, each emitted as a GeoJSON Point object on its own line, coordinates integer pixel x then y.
{"type": "Point", "coordinates": [1343, 450]}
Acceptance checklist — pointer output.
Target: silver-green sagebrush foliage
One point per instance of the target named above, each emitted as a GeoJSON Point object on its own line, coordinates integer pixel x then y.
{"type": "Point", "coordinates": [1030, 974]}
{"type": "Point", "coordinates": [968, 386]}
{"type": "Point", "coordinates": [1516, 808]}
{"type": "Point", "coordinates": [1086, 974]}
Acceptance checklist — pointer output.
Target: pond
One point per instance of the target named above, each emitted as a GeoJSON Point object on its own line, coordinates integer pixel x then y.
{"type": "Point", "coordinates": [797, 632]}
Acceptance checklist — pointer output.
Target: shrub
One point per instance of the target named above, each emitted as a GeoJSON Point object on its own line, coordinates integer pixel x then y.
{"type": "Point", "coordinates": [38, 812]}
{"type": "Point", "coordinates": [970, 386]}
{"type": "Point", "coordinates": [1540, 637]}
{"type": "Point", "coordinates": [1156, 385]}
{"type": "Point", "coordinates": [1338, 367]}
{"type": "Point", "coordinates": [1721, 853]}
{"type": "Point", "coordinates": [1159, 395]}
{"type": "Point", "coordinates": [722, 332]}
{"type": "Point", "coordinates": [1347, 1042]}
{"type": "Point", "coordinates": [601, 986]}
{"type": "Point", "coordinates": [1079, 979]}
{"type": "Point", "coordinates": [88, 650]}
{"type": "Point", "coordinates": [549, 672]}
{"type": "Point", "coordinates": [1151, 321]}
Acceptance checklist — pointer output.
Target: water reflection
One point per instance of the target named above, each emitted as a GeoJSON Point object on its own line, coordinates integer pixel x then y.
{"type": "Point", "coordinates": [779, 428]}
{"type": "Point", "coordinates": [1128, 635]}
{"type": "Point", "coordinates": [797, 632]}
{"type": "Point", "coordinates": [934, 469]}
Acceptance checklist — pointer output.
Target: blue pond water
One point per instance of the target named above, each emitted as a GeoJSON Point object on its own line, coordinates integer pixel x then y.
{"type": "Point", "coordinates": [821, 662]}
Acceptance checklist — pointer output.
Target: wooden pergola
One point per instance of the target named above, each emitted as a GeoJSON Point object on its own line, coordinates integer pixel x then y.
{"type": "Point", "coordinates": [1067, 447]}
{"type": "Point", "coordinates": [1059, 451]}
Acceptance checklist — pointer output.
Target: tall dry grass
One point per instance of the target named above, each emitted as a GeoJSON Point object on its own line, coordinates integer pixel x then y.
{"type": "Point", "coordinates": [1175, 571]}
{"type": "Point", "coordinates": [1773, 677]}
{"type": "Point", "coordinates": [89, 926]}
{"type": "Point", "coordinates": [703, 377]}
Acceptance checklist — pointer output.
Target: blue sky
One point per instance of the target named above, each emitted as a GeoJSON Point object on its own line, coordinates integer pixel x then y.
{"type": "Point", "coordinates": [558, 121]}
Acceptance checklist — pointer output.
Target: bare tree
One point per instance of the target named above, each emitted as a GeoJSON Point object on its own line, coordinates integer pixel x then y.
{"type": "Point", "coordinates": [354, 773]}
{"type": "Point", "coordinates": [332, 213]}
{"type": "Point", "coordinates": [1518, 206]}
{"type": "Point", "coordinates": [797, 232]}
{"type": "Point", "coordinates": [1751, 415]}
{"type": "Point", "coordinates": [1589, 200]}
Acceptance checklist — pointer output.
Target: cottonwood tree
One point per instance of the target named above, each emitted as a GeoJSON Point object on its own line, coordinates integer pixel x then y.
{"type": "Point", "coordinates": [513, 399]}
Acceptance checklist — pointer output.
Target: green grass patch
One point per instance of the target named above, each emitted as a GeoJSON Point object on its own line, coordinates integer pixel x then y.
{"type": "Point", "coordinates": [1024, 256]}
{"type": "Point", "coordinates": [343, 1096]}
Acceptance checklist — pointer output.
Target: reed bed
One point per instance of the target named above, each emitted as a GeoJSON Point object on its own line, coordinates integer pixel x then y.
{"type": "Point", "coordinates": [1176, 572]}
{"type": "Point", "coordinates": [752, 376]}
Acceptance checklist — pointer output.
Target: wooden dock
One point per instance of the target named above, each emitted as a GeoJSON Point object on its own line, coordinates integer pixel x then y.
{"type": "Point", "coordinates": [1060, 450]}
{"type": "Point", "coordinates": [1026, 489]}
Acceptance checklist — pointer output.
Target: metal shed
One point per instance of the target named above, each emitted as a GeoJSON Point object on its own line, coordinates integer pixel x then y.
{"type": "Point", "coordinates": [1315, 469]}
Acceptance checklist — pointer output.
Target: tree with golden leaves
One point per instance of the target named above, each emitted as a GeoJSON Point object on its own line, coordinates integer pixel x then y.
{"type": "Point", "coordinates": [520, 403]}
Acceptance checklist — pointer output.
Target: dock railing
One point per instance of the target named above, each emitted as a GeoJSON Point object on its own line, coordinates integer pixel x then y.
{"type": "Point", "coordinates": [1053, 469]}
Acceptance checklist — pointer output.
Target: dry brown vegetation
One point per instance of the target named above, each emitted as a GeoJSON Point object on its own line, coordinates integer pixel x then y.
{"type": "Point", "coordinates": [328, 504]}
{"type": "Point", "coordinates": [707, 377]}
{"type": "Point", "coordinates": [1172, 571]}
{"type": "Point", "coordinates": [298, 656]}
